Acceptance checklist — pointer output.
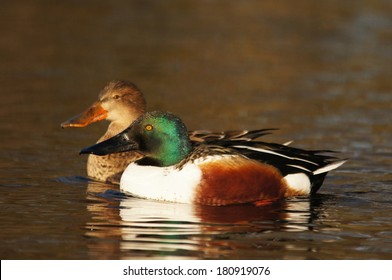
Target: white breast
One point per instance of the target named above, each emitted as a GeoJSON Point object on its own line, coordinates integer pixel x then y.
{"type": "Point", "coordinates": [161, 183]}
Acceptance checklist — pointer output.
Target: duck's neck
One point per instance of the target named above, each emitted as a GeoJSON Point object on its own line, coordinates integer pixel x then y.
{"type": "Point", "coordinates": [174, 151]}
{"type": "Point", "coordinates": [114, 129]}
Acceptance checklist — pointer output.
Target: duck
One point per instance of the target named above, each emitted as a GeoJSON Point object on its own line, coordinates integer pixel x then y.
{"type": "Point", "coordinates": [215, 173]}
{"type": "Point", "coordinates": [121, 102]}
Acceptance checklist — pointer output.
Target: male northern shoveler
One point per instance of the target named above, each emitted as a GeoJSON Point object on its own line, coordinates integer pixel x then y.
{"type": "Point", "coordinates": [121, 103]}
{"type": "Point", "coordinates": [230, 172]}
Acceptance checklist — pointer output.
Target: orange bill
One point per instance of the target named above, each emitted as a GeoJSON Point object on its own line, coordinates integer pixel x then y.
{"type": "Point", "coordinates": [93, 114]}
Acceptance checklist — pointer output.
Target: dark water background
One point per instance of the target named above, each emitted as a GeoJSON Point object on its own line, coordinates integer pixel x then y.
{"type": "Point", "coordinates": [319, 70]}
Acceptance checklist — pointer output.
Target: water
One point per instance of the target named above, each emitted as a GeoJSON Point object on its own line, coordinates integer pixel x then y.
{"type": "Point", "coordinates": [320, 71]}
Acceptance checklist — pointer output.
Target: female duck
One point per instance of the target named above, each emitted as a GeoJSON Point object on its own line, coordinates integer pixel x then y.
{"type": "Point", "coordinates": [120, 102]}
{"type": "Point", "coordinates": [241, 171]}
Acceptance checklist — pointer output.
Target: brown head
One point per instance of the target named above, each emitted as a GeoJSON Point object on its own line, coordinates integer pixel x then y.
{"type": "Point", "coordinates": [120, 102]}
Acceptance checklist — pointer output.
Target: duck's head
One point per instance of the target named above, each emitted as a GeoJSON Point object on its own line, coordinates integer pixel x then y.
{"type": "Point", "coordinates": [120, 102]}
{"type": "Point", "coordinates": [161, 137]}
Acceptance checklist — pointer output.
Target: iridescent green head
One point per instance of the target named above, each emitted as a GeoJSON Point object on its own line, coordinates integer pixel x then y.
{"type": "Point", "coordinates": [161, 137]}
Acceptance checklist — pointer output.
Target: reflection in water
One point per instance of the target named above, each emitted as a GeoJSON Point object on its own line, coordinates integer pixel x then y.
{"type": "Point", "coordinates": [141, 228]}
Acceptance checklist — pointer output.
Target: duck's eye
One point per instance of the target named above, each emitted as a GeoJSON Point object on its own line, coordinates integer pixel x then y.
{"type": "Point", "coordinates": [116, 96]}
{"type": "Point", "coordinates": [149, 127]}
